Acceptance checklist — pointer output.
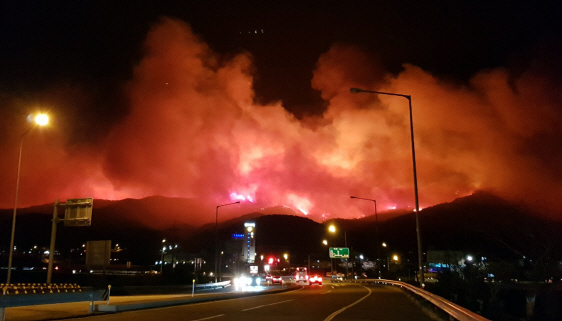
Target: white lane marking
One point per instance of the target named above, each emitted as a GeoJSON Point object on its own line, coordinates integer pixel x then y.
{"type": "Point", "coordinates": [333, 315]}
{"type": "Point", "coordinates": [261, 306]}
{"type": "Point", "coordinates": [214, 316]}
{"type": "Point", "coordinates": [326, 292]}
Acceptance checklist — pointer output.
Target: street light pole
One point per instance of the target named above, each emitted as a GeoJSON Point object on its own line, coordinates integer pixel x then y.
{"type": "Point", "coordinates": [40, 120]}
{"type": "Point", "coordinates": [332, 229]}
{"type": "Point", "coordinates": [325, 242]}
{"type": "Point", "coordinates": [376, 230]}
{"type": "Point", "coordinates": [220, 266]}
{"type": "Point", "coordinates": [418, 232]}
{"type": "Point", "coordinates": [347, 259]}
{"type": "Point", "coordinates": [162, 255]}
{"type": "Point", "coordinates": [217, 236]}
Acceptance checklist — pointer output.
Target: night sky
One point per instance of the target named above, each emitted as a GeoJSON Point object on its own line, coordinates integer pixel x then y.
{"type": "Point", "coordinates": [225, 100]}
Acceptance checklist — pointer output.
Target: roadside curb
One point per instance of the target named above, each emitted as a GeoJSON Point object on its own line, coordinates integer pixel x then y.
{"type": "Point", "coordinates": [120, 307]}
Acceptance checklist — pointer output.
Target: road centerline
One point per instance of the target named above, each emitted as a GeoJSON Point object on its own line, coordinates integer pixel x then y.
{"type": "Point", "coordinates": [265, 305]}
{"type": "Point", "coordinates": [207, 318]}
{"type": "Point", "coordinates": [333, 315]}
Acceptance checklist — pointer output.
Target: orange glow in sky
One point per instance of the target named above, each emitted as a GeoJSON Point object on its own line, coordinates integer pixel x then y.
{"type": "Point", "coordinates": [194, 130]}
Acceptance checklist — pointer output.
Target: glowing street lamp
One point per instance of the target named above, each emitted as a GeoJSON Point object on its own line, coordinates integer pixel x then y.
{"type": "Point", "coordinates": [40, 120]}
{"type": "Point", "coordinates": [217, 236]}
{"type": "Point", "coordinates": [418, 232]}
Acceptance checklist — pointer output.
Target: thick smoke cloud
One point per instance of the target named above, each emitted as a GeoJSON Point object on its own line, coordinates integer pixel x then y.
{"type": "Point", "coordinates": [193, 130]}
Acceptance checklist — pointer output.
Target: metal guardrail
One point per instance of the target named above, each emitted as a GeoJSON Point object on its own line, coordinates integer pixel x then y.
{"type": "Point", "coordinates": [212, 285]}
{"type": "Point", "coordinates": [455, 311]}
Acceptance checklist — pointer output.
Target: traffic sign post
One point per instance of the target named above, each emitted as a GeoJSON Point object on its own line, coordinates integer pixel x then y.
{"type": "Point", "coordinates": [339, 252]}
{"type": "Point", "coordinates": [78, 212]}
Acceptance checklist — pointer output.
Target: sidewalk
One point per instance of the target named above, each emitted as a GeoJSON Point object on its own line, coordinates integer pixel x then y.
{"type": "Point", "coordinates": [118, 304]}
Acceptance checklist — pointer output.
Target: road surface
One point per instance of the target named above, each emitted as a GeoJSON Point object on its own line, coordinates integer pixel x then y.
{"type": "Point", "coordinates": [340, 301]}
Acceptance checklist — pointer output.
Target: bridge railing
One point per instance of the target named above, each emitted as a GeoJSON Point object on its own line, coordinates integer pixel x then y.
{"type": "Point", "coordinates": [453, 310]}
{"type": "Point", "coordinates": [37, 288]}
{"type": "Point", "coordinates": [17, 295]}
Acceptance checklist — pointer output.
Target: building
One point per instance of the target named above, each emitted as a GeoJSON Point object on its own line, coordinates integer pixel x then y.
{"type": "Point", "coordinates": [249, 243]}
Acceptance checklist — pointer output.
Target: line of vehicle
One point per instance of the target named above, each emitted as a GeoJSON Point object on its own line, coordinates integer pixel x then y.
{"type": "Point", "coordinates": [333, 315]}
{"type": "Point", "coordinates": [265, 305]}
{"type": "Point", "coordinates": [207, 318]}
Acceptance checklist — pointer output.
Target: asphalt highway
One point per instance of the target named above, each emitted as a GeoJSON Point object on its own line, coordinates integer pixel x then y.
{"type": "Point", "coordinates": [339, 301]}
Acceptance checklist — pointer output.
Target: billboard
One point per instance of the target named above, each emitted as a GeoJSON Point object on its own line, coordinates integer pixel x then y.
{"type": "Point", "coordinates": [98, 253]}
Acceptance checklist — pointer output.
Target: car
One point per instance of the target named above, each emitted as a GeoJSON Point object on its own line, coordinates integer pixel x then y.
{"type": "Point", "coordinates": [273, 279]}
{"type": "Point", "coordinates": [243, 281]}
{"type": "Point", "coordinates": [315, 279]}
{"type": "Point", "coordinates": [301, 275]}
{"type": "Point", "coordinates": [276, 279]}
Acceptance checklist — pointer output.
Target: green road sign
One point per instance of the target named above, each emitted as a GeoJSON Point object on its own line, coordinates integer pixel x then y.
{"type": "Point", "coordinates": [339, 252]}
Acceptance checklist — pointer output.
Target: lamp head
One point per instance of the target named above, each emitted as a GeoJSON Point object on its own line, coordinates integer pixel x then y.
{"type": "Point", "coordinates": [38, 119]}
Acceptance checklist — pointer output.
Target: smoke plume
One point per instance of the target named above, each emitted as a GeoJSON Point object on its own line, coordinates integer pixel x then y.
{"type": "Point", "coordinates": [194, 130]}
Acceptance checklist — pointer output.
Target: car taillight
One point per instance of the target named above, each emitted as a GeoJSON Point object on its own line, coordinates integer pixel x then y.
{"type": "Point", "coordinates": [306, 277]}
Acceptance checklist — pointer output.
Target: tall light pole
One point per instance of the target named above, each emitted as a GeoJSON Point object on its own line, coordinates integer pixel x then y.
{"type": "Point", "coordinates": [376, 230]}
{"type": "Point", "coordinates": [162, 255]}
{"type": "Point", "coordinates": [40, 120]}
{"type": "Point", "coordinates": [418, 232]}
{"type": "Point", "coordinates": [217, 236]}
{"type": "Point", "coordinates": [325, 242]}
{"type": "Point", "coordinates": [332, 229]}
